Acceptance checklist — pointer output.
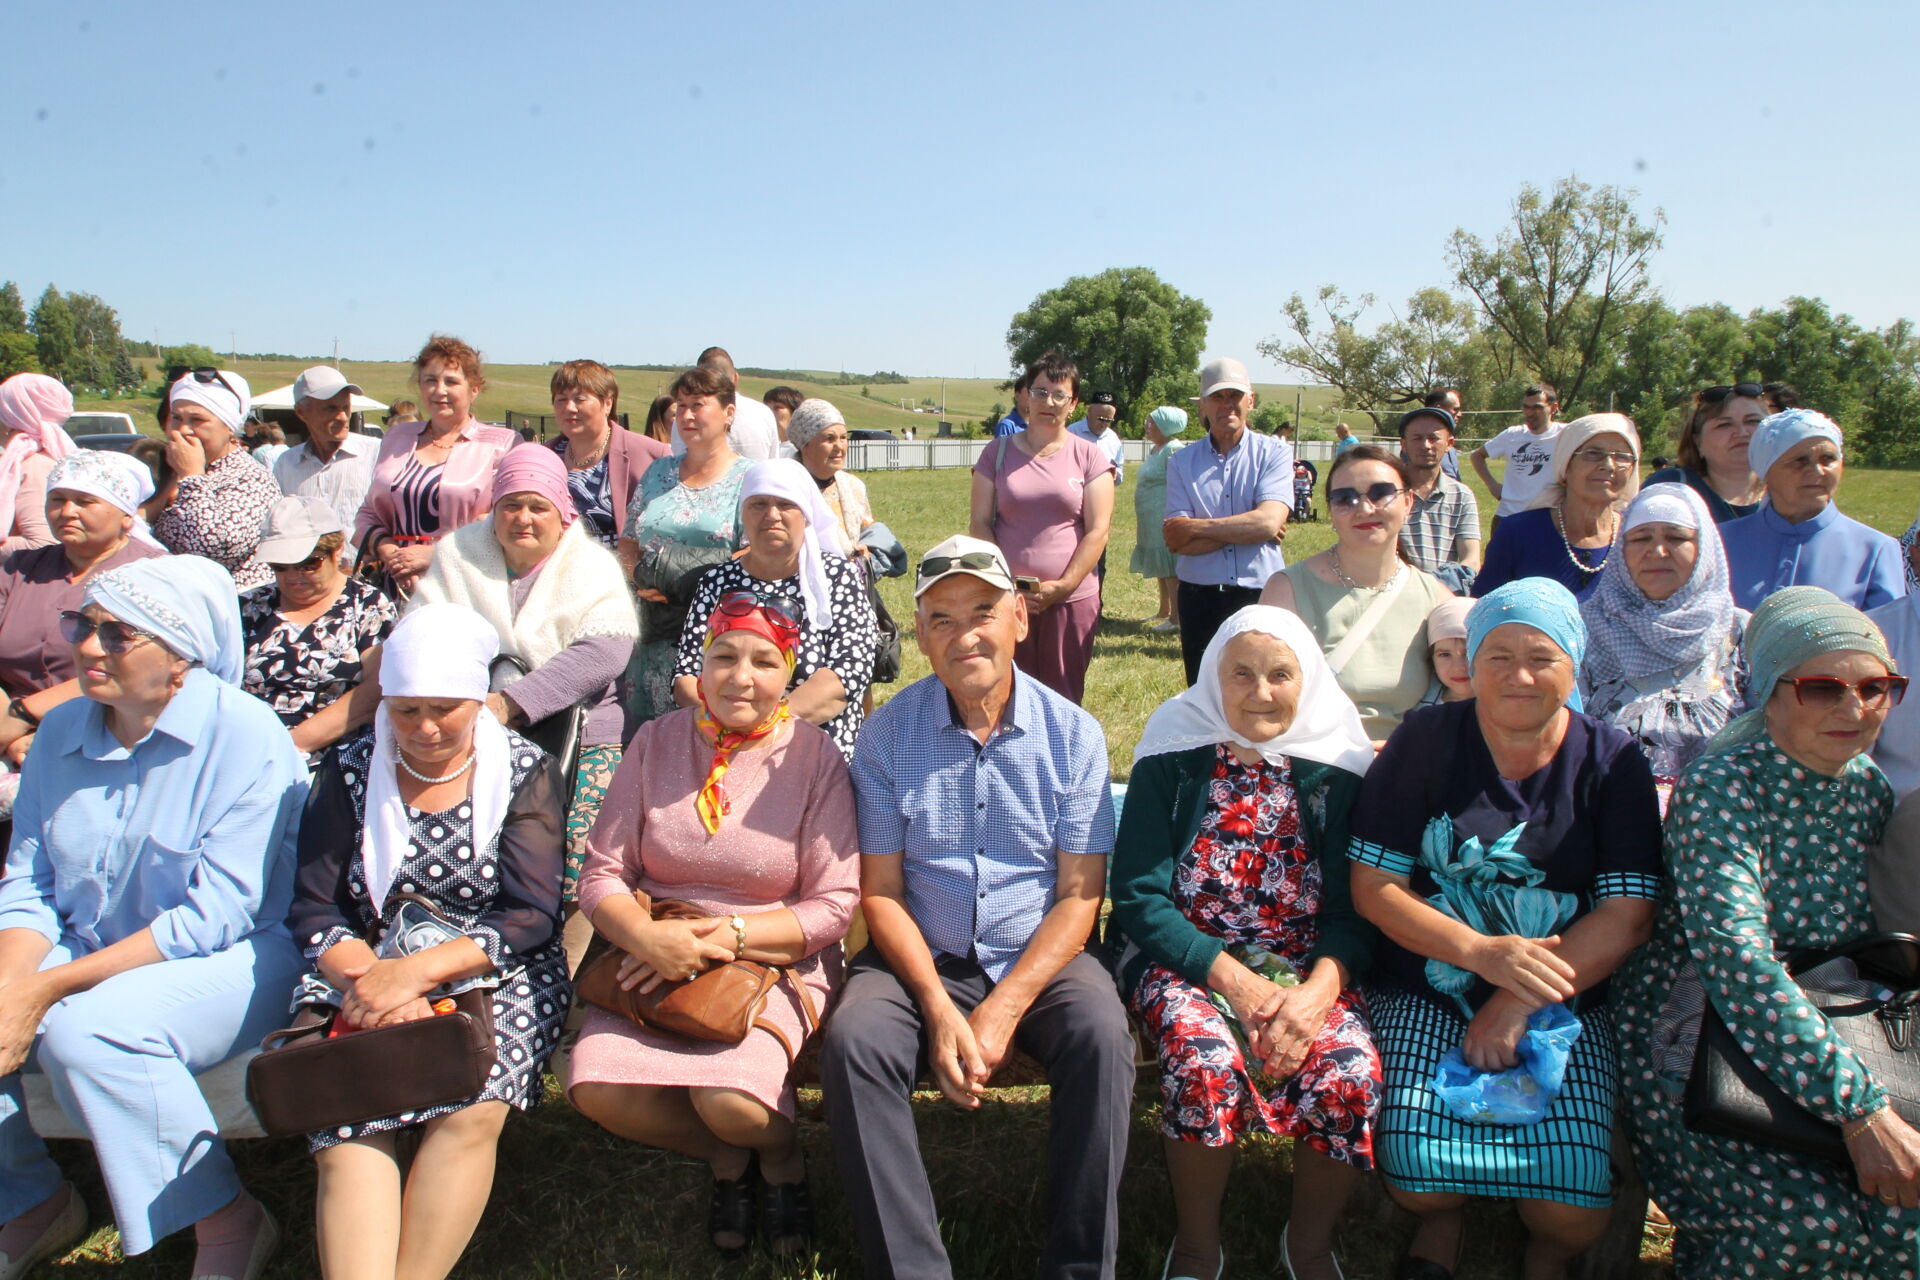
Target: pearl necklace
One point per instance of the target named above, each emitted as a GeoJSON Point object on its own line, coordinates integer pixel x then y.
{"type": "Point", "coordinates": [449, 777]}
{"type": "Point", "coordinates": [1560, 523]}
{"type": "Point", "coordinates": [1333, 559]}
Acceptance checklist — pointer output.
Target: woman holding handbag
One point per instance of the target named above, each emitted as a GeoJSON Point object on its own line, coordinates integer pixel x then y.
{"type": "Point", "coordinates": [438, 802]}
{"type": "Point", "coordinates": [744, 812]}
{"type": "Point", "coordinates": [1768, 839]}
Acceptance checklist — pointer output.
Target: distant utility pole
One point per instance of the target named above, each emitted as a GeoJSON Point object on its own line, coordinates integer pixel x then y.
{"type": "Point", "coordinates": [336, 353]}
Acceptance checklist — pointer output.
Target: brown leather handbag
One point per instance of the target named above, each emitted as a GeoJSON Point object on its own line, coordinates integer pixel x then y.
{"type": "Point", "coordinates": [722, 1004]}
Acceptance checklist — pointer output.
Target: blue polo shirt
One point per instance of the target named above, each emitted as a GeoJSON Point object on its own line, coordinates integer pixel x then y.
{"type": "Point", "coordinates": [1765, 552]}
{"type": "Point", "coordinates": [1009, 425]}
{"type": "Point", "coordinates": [1203, 482]}
{"type": "Point", "coordinates": [982, 825]}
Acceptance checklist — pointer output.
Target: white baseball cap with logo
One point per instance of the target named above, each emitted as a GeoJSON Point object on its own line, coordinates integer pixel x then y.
{"type": "Point", "coordinates": [322, 382]}
{"type": "Point", "coordinates": [1224, 374]}
{"type": "Point", "coordinates": [961, 554]}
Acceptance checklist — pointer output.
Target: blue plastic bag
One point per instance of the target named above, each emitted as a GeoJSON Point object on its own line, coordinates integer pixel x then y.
{"type": "Point", "coordinates": [1519, 1095]}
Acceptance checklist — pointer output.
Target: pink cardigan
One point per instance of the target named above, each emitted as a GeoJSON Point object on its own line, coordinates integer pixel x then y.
{"type": "Point", "coordinates": [466, 486]}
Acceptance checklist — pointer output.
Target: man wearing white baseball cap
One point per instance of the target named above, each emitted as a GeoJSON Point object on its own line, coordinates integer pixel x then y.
{"type": "Point", "coordinates": [336, 463]}
{"type": "Point", "coordinates": [1227, 502]}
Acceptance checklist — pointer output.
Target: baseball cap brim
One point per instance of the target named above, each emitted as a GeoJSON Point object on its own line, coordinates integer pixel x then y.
{"type": "Point", "coordinates": [287, 548]}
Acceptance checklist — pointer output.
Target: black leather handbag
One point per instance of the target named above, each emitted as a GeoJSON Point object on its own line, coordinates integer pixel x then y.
{"type": "Point", "coordinates": [1728, 1096]}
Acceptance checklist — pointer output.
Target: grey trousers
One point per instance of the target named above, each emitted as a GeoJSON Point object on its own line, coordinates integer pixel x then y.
{"type": "Point", "coordinates": [874, 1051]}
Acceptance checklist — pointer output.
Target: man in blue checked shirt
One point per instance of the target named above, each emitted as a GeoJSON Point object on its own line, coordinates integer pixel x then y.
{"type": "Point", "coordinates": [985, 825]}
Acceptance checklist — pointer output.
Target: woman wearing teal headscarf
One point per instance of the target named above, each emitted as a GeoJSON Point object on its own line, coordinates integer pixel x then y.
{"type": "Point", "coordinates": [1151, 559]}
{"type": "Point", "coordinates": [1508, 847]}
{"type": "Point", "coordinates": [1767, 844]}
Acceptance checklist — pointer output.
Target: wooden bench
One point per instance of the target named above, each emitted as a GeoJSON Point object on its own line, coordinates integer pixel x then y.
{"type": "Point", "coordinates": [225, 1087]}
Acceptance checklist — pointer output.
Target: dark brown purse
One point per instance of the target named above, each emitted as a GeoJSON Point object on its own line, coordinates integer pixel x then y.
{"type": "Point", "coordinates": [722, 1004]}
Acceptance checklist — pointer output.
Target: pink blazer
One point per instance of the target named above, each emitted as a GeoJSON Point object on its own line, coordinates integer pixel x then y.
{"type": "Point", "coordinates": [628, 457]}
{"type": "Point", "coordinates": [466, 486]}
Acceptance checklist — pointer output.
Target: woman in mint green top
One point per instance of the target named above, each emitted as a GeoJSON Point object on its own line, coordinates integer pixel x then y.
{"type": "Point", "coordinates": [1767, 840]}
{"type": "Point", "coordinates": [1151, 559]}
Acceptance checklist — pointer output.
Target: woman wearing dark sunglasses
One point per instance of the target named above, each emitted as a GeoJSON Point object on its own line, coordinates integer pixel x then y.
{"type": "Point", "coordinates": [1712, 454]}
{"type": "Point", "coordinates": [1363, 602]}
{"type": "Point", "coordinates": [1767, 846]}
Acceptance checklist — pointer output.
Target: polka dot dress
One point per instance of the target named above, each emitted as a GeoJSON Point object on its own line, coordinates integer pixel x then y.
{"type": "Point", "coordinates": [1762, 855]}
{"type": "Point", "coordinates": [442, 865]}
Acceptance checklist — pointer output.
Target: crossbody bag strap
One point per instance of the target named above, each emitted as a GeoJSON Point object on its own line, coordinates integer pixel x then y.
{"type": "Point", "coordinates": [1363, 625]}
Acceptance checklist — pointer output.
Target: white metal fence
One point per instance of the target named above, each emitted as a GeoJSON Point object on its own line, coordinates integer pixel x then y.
{"type": "Point", "coordinates": [924, 455]}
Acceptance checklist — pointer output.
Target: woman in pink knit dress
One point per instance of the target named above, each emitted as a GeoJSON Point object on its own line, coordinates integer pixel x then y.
{"type": "Point", "coordinates": [746, 812]}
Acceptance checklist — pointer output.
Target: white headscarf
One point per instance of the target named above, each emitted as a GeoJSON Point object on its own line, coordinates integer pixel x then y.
{"type": "Point", "coordinates": [107, 474]}
{"type": "Point", "coordinates": [1573, 437]}
{"type": "Point", "coordinates": [189, 602]}
{"type": "Point", "coordinates": [1326, 728]}
{"type": "Point", "coordinates": [786, 479]}
{"type": "Point", "coordinates": [436, 651]}
{"type": "Point", "coordinates": [230, 401]}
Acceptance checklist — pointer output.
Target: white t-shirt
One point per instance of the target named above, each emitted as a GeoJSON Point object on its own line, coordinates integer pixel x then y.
{"type": "Point", "coordinates": [1529, 464]}
{"type": "Point", "coordinates": [754, 435]}
{"type": "Point", "coordinates": [341, 481]}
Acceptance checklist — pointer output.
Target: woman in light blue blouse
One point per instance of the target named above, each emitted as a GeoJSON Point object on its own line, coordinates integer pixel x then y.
{"type": "Point", "coordinates": [142, 934]}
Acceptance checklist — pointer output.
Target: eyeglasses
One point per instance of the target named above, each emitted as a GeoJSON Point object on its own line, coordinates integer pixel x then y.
{"type": "Point", "coordinates": [1749, 390]}
{"type": "Point", "coordinates": [934, 566]}
{"type": "Point", "coordinates": [1049, 397]}
{"type": "Point", "coordinates": [1605, 458]}
{"type": "Point", "coordinates": [782, 611]}
{"type": "Point", "coordinates": [115, 637]}
{"type": "Point", "coordinates": [1377, 495]}
{"type": "Point", "coordinates": [311, 563]}
{"type": "Point", "coordinates": [1828, 691]}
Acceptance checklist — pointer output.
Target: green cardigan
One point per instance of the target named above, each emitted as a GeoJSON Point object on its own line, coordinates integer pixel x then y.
{"type": "Point", "coordinates": [1166, 801]}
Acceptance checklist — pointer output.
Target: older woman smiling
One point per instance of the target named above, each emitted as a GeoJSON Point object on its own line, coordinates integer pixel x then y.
{"type": "Point", "coordinates": [1567, 534]}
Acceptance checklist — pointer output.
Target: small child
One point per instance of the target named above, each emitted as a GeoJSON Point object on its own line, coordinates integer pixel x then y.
{"type": "Point", "coordinates": [1447, 647]}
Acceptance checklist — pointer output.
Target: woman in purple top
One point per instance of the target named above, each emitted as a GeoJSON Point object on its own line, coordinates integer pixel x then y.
{"type": "Point", "coordinates": [1045, 496]}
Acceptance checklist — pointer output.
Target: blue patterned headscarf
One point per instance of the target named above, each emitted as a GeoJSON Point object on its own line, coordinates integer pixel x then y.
{"type": "Point", "coordinates": [189, 602]}
{"type": "Point", "coordinates": [1779, 433]}
{"type": "Point", "coordinates": [1792, 626]}
{"type": "Point", "coordinates": [1540, 603]}
{"type": "Point", "coordinates": [1631, 637]}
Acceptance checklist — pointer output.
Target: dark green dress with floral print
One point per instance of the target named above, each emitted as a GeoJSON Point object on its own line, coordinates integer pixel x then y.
{"type": "Point", "coordinates": [1763, 855]}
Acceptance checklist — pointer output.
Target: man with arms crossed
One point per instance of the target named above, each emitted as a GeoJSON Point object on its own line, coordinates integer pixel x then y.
{"type": "Point", "coordinates": [985, 825]}
{"type": "Point", "coordinates": [1228, 497]}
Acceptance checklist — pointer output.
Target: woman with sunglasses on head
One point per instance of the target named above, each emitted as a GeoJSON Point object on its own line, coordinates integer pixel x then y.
{"type": "Point", "coordinates": [559, 605]}
{"type": "Point", "coordinates": [91, 500]}
{"type": "Point", "coordinates": [1712, 453]}
{"type": "Point", "coordinates": [1363, 602]}
{"type": "Point", "coordinates": [793, 563]}
{"type": "Point", "coordinates": [311, 632]}
{"type": "Point", "coordinates": [1663, 633]}
{"type": "Point", "coordinates": [222, 494]}
{"type": "Point", "coordinates": [742, 810]}
{"type": "Point", "coordinates": [1798, 536]}
{"type": "Point", "coordinates": [1567, 532]}
{"type": "Point", "coordinates": [32, 409]}
{"type": "Point", "coordinates": [432, 476]}
{"type": "Point", "coordinates": [143, 934]}
{"type": "Point", "coordinates": [1768, 839]}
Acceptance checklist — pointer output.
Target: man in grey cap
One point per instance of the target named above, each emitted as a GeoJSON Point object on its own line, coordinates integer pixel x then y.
{"type": "Point", "coordinates": [1228, 497]}
{"type": "Point", "coordinates": [336, 463]}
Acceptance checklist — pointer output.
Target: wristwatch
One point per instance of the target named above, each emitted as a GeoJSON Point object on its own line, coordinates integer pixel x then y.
{"type": "Point", "coordinates": [739, 925]}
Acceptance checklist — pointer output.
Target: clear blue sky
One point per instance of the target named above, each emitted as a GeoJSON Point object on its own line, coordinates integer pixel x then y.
{"type": "Point", "coordinates": [883, 185]}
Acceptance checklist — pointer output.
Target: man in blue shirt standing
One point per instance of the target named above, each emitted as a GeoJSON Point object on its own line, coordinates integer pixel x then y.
{"type": "Point", "coordinates": [985, 825]}
{"type": "Point", "coordinates": [1017, 420]}
{"type": "Point", "coordinates": [1227, 502]}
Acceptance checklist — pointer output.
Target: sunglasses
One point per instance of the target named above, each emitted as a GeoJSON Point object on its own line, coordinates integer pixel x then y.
{"type": "Point", "coordinates": [1750, 390]}
{"type": "Point", "coordinates": [1828, 691]}
{"type": "Point", "coordinates": [934, 566]}
{"type": "Point", "coordinates": [115, 637]}
{"type": "Point", "coordinates": [1377, 495]}
{"type": "Point", "coordinates": [782, 611]}
{"type": "Point", "coordinates": [211, 376]}
{"type": "Point", "coordinates": [311, 563]}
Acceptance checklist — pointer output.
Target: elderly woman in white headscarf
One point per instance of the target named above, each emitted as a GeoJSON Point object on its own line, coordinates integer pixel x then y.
{"type": "Point", "coordinates": [32, 409]}
{"type": "Point", "coordinates": [793, 564]}
{"type": "Point", "coordinates": [1239, 946]}
{"type": "Point", "coordinates": [438, 803]}
{"type": "Point", "coordinates": [223, 494]}
{"type": "Point", "coordinates": [143, 932]}
{"type": "Point", "coordinates": [1663, 634]}
{"type": "Point", "coordinates": [818, 434]}
{"type": "Point", "coordinates": [1798, 536]}
{"type": "Point", "coordinates": [1567, 533]}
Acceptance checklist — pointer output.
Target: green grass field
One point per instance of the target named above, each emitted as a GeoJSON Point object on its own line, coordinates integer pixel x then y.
{"type": "Point", "coordinates": [573, 1203]}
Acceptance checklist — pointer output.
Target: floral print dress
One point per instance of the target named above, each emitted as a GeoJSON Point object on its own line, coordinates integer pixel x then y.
{"type": "Point", "coordinates": [1248, 878]}
{"type": "Point", "coordinates": [1763, 856]}
{"type": "Point", "coordinates": [300, 670]}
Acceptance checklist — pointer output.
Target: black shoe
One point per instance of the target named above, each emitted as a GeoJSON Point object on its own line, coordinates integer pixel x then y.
{"type": "Point", "coordinates": [731, 1211]}
{"type": "Point", "coordinates": [786, 1216]}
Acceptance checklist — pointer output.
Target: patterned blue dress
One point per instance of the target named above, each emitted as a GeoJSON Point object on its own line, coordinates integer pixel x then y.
{"type": "Point", "coordinates": [1530, 857]}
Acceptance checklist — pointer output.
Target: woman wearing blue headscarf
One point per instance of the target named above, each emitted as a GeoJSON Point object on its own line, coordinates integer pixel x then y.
{"type": "Point", "coordinates": [1768, 839]}
{"type": "Point", "coordinates": [1508, 847]}
{"type": "Point", "coordinates": [142, 917]}
{"type": "Point", "coordinates": [1663, 633]}
{"type": "Point", "coordinates": [1798, 536]}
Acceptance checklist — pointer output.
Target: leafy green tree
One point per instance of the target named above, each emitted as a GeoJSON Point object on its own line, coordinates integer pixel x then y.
{"type": "Point", "coordinates": [18, 354]}
{"type": "Point", "coordinates": [13, 310]}
{"type": "Point", "coordinates": [1390, 368]}
{"type": "Point", "coordinates": [53, 334]}
{"type": "Point", "coordinates": [97, 340]}
{"type": "Point", "coordinates": [1130, 332]}
{"type": "Point", "coordinates": [190, 355]}
{"type": "Point", "coordinates": [1565, 281]}
{"type": "Point", "coordinates": [1268, 418]}
{"type": "Point", "coordinates": [125, 375]}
